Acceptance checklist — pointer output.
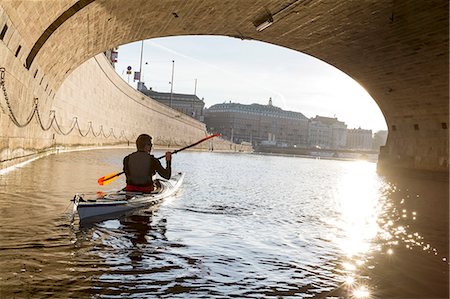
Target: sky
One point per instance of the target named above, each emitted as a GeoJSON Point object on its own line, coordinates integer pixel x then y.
{"type": "Point", "coordinates": [242, 71]}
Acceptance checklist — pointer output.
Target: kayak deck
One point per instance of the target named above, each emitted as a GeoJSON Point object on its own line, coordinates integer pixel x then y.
{"type": "Point", "coordinates": [111, 205]}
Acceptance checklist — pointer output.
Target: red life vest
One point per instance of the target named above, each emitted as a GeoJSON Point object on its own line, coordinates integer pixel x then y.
{"type": "Point", "coordinates": [144, 189]}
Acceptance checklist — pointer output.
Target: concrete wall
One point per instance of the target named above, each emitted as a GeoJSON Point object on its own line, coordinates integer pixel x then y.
{"type": "Point", "coordinates": [95, 93]}
{"type": "Point", "coordinates": [16, 143]}
{"type": "Point", "coordinates": [106, 101]}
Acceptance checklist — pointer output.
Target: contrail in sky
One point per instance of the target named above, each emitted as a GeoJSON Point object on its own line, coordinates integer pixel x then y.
{"type": "Point", "coordinates": [228, 73]}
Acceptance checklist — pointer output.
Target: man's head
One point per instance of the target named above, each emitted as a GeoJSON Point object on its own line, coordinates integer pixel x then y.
{"type": "Point", "coordinates": [143, 141]}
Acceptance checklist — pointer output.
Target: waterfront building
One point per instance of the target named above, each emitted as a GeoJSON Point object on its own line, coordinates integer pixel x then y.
{"type": "Point", "coordinates": [188, 104]}
{"type": "Point", "coordinates": [112, 55]}
{"type": "Point", "coordinates": [258, 124]}
{"type": "Point", "coordinates": [327, 133]}
{"type": "Point", "coordinates": [359, 139]}
{"type": "Point", "coordinates": [379, 139]}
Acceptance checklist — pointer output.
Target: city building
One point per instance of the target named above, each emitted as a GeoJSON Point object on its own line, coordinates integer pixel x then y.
{"type": "Point", "coordinates": [379, 139]}
{"type": "Point", "coordinates": [188, 104]}
{"type": "Point", "coordinates": [258, 124]}
{"type": "Point", "coordinates": [112, 56]}
{"type": "Point", "coordinates": [327, 133]}
{"type": "Point", "coordinates": [359, 139]}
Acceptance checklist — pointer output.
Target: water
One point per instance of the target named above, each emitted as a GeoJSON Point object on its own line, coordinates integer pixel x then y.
{"type": "Point", "coordinates": [242, 226]}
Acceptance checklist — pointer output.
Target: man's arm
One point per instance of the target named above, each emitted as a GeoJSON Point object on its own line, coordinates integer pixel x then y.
{"type": "Point", "coordinates": [125, 164]}
{"type": "Point", "coordinates": [163, 172]}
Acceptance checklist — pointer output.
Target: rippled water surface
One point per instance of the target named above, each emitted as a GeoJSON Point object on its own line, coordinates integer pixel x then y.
{"type": "Point", "coordinates": [242, 226]}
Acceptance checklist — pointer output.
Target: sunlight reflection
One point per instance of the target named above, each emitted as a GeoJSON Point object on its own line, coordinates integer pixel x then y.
{"type": "Point", "coordinates": [357, 199]}
{"type": "Point", "coordinates": [358, 203]}
{"type": "Point", "coordinates": [348, 266]}
{"type": "Point", "coordinates": [361, 292]}
{"type": "Point", "coordinates": [350, 280]}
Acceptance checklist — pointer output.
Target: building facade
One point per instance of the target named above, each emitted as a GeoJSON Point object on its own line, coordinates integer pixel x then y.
{"type": "Point", "coordinates": [188, 104]}
{"type": "Point", "coordinates": [327, 133]}
{"type": "Point", "coordinates": [379, 139]}
{"type": "Point", "coordinates": [112, 56]}
{"type": "Point", "coordinates": [258, 124]}
{"type": "Point", "coordinates": [359, 139]}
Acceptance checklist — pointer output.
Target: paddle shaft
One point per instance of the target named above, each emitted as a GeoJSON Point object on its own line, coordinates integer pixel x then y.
{"type": "Point", "coordinates": [174, 152]}
{"type": "Point", "coordinates": [189, 146]}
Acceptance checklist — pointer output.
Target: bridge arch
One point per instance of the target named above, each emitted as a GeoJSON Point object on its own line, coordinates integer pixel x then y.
{"type": "Point", "coordinates": [397, 50]}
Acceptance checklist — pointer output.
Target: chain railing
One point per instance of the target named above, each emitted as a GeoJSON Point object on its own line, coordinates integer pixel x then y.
{"type": "Point", "coordinates": [53, 122]}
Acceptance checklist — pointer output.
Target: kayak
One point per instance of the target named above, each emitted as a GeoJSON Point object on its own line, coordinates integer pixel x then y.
{"type": "Point", "coordinates": [114, 204]}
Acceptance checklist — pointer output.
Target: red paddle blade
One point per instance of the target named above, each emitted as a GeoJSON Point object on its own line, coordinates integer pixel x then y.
{"type": "Point", "coordinates": [104, 180]}
{"type": "Point", "coordinates": [101, 180]}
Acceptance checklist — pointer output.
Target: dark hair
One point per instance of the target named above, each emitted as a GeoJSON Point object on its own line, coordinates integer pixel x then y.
{"type": "Point", "coordinates": [142, 141]}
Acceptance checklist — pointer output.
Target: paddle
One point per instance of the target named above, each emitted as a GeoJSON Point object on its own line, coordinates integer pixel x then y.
{"type": "Point", "coordinates": [104, 180]}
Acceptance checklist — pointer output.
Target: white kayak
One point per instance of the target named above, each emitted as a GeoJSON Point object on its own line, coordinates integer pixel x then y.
{"type": "Point", "coordinates": [114, 204]}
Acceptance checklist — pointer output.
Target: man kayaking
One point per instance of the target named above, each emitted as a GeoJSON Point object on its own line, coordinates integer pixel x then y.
{"type": "Point", "coordinates": [140, 166]}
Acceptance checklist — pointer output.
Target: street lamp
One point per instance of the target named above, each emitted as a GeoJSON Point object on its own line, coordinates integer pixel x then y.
{"type": "Point", "coordinates": [139, 84]}
{"type": "Point", "coordinates": [171, 83]}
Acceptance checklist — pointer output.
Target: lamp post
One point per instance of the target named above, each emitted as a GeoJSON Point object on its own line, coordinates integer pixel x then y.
{"type": "Point", "coordinates": [193, 99]}
{"type": "Point", "coordinates": [143, 69]}
{"type": "Point", "coordinates": [139, 84]}
{"type": "Point", "coordinates": [171, 83]}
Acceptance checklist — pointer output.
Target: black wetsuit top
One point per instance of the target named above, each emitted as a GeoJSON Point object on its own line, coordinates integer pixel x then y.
{"type": "Point", "coordinates": [139, 167]}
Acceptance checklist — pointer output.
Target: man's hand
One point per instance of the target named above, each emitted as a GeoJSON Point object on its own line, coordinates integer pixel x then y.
{"type": "Point", "coordinates": [168, 156]}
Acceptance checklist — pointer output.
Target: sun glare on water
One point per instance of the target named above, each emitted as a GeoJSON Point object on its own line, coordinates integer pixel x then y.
{"type": "Point", "coordinates": [361, 292]}
{"type": "Point", "coordinates": [357, 200]}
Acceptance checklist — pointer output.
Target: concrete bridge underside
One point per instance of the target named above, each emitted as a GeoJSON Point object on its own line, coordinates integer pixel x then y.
{"type": "Point", "coordinates": [397, 50]}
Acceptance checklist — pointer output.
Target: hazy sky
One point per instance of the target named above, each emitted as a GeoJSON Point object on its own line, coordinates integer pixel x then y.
{"type": "Point", "coordinates": [242, 71]}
